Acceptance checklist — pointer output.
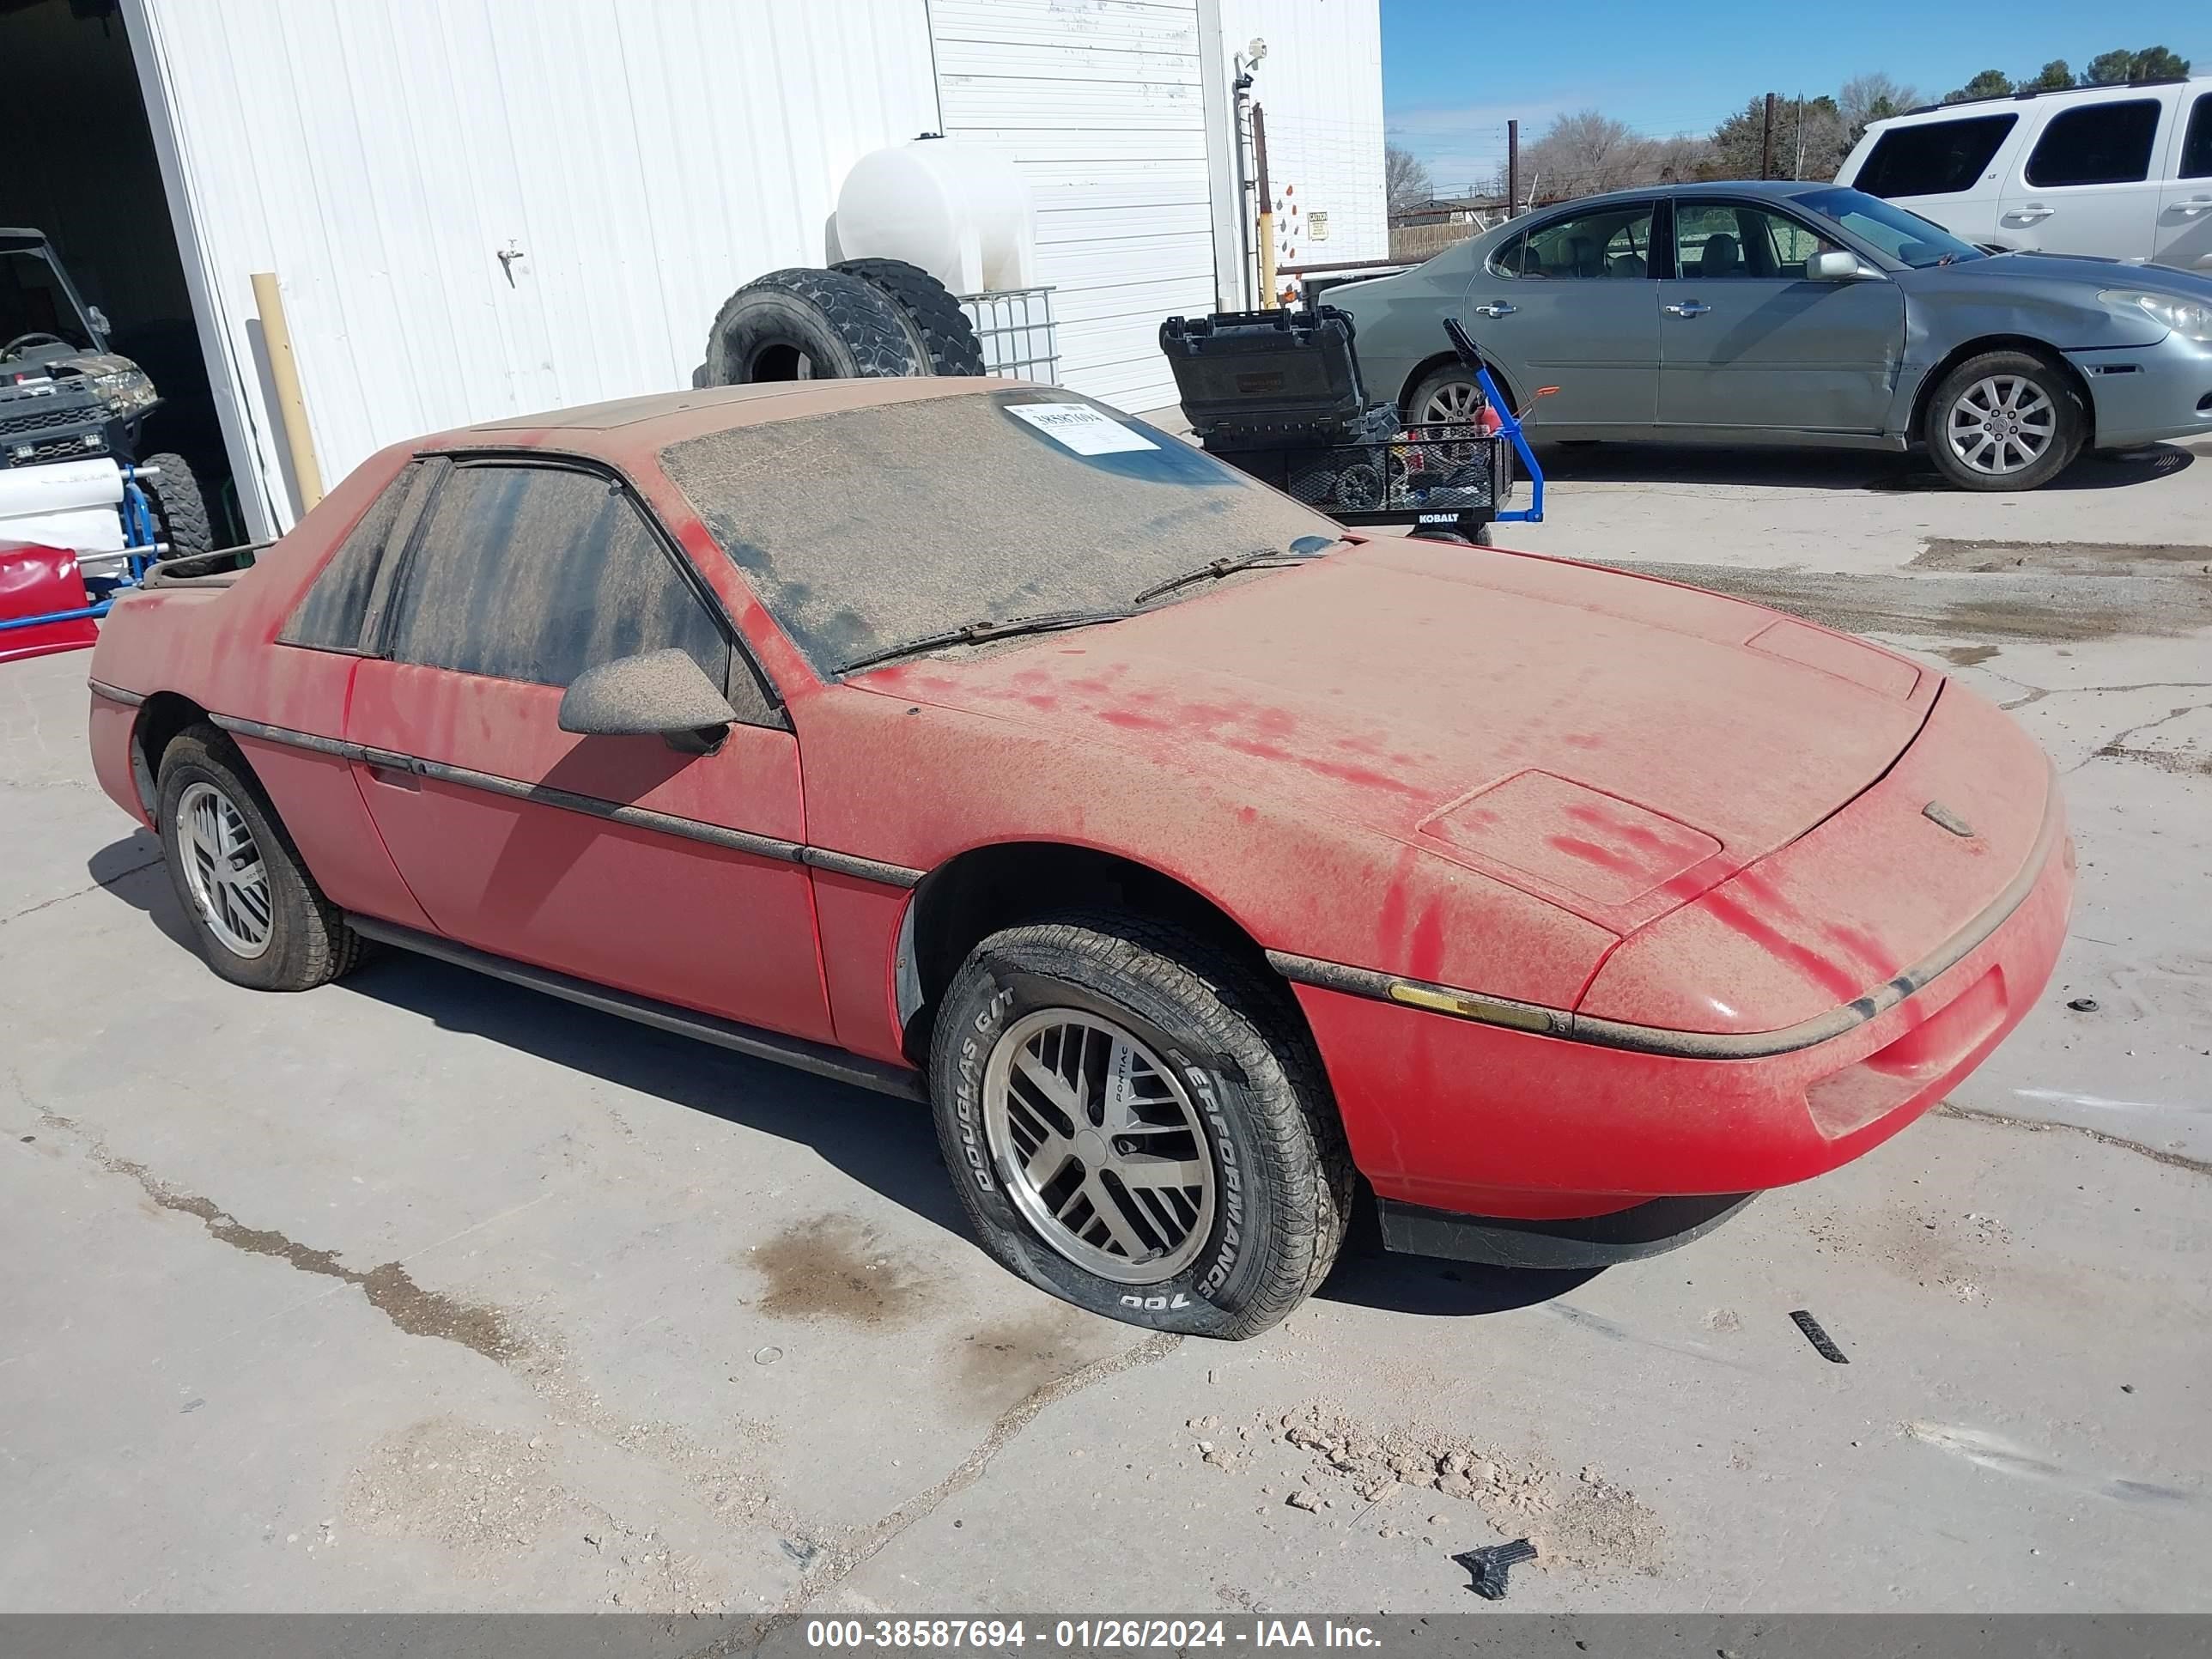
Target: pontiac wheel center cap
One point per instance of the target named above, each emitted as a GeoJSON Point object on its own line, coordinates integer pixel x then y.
{"type": "Point", "coordinates": [1091, 1149]}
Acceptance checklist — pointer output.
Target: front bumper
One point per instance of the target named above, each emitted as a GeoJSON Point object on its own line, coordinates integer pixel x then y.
{"type": "Point", "coordinates": [2143, 394]}
{"type": "Point", "coordinates": [1486, 1120]}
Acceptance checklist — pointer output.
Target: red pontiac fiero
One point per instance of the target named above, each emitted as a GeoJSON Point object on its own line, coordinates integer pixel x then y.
{"type": "Point", "coordinates": [971, 741]}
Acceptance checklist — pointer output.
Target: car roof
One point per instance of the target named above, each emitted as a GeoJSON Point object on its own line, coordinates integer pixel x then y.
{"type": "Point", "coordinates": [1964, 107]}
{"type": "Point", "coordinates": [633, 426]}
{"type": "Point", "coordinates": [1768, 189]}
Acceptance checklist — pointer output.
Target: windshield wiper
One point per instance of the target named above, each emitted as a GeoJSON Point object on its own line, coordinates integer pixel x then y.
{"type": "Point", "coordinates": [989, 627]}
{"type": "Point", "coordinates": [1258, 558]}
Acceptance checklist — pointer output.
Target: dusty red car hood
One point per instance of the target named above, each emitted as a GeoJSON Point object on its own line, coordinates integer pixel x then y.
{"type": "Point", "coordinates": [1616, 743]}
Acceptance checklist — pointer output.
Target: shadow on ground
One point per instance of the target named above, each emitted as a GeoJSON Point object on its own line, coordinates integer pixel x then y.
{"type": "Point", "coordinates": [887, 1144]}
{"type": "Point", "coordinates": [1822, 468]}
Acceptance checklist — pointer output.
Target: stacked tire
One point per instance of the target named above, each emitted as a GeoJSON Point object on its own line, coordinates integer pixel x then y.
{"type": "Point", "coordinates": [863, 319]}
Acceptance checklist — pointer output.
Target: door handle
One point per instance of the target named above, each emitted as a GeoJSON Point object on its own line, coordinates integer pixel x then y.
{"type": "Point", "coordinates": [1687, 309]}
{"type": "Point", "coordinates": [2027, 216]}
{"type": "Point", "coordinates": [1496, 309]}
{"type": "Point", "coordinates": [2193, 206]}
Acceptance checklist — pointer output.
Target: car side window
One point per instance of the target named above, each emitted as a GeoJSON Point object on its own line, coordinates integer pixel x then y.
{"type": "Point", "coordinates": [1933, 158]}
{"type": "Point", "coordinates": [538, 573]}
{"type": "Point", "coordinates": [330, 613]}
{"type": "Point", "coordinates": [1725, 239]}
{"type": "Point", "coordinates": [1612, 243]}
{"type": "Point", "coordinates": [2196, 146]}
{"type": "Point", "coordinates": [2096, 144]}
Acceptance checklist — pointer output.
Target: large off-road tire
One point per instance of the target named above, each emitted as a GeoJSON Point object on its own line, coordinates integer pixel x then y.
{"type": "Point", "coordinates": [939, 328]}
{"type": "Point", "coordinates": [806, 325]}
{"type": "Point", "coordinates": [255, 912]}
{"type": "Point", "coordinates": [2005, 420]}
{"type": "Point", "coordinates": [180, 513]}
{"type": "Point", "coordinates": [1137, 1123]}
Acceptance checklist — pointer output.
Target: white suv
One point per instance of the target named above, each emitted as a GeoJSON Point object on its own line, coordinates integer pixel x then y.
{"type": "Point", "coordinates": [2122, 172]}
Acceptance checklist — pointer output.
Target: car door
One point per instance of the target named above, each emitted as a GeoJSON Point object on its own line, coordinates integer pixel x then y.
{"type": "Point", "coordinates": [2088, 184]}
{"type": "Point", "coordinates": [2184, 235]}
{"type": "Point", "coordinates": [1573, 302]}
{"type": "Point", "coordinates": [619, 860]}
{"type": "Point", "coordinates": [1747, 341]}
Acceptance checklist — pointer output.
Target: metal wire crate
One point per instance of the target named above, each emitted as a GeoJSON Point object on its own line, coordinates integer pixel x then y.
{"type": "Point", "coordinates": [1441, 469]}
{"type": "Point", "coordinates": [1015, 326]}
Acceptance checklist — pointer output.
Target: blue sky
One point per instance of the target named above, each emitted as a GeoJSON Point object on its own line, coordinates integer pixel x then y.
{"type": "Point", "coordinates": [1454, 70]}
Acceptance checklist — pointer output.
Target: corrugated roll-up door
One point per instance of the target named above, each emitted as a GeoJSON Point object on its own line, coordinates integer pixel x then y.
{"type": "Point", "coordinates": [1098, 103]}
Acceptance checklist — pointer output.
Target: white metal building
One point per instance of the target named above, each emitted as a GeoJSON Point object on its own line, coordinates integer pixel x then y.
{"type": "Point", "coordinates": [476, 207]}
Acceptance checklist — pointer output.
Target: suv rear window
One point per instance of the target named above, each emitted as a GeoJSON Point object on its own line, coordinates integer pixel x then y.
{"type": "Point", "coordinates": [2096, 144]}
{"type": "Point", "coordinates": [1936, 158]}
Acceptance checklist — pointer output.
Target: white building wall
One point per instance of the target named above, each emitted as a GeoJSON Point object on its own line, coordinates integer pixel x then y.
{"type": "Point", "coordinates": [1321, 85]}
{"type": "Point", "coordinates": [640, 160]}
{"type": "Point", "coordinates": [1098, 102]}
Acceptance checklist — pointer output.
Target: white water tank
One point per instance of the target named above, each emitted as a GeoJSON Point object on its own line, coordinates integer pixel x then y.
{"type": "Point", "coordinates": [961, 212]}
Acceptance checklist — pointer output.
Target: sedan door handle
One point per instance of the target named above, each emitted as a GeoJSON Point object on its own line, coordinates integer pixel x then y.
{"type": "Point", "coordinates": [1496, 309]}
{"type": "Point", "coordinates": [1687, 309]}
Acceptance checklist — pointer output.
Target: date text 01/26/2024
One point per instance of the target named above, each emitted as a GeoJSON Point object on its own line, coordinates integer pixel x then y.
{"type": "Point", "coordinates": [1084, 1635]}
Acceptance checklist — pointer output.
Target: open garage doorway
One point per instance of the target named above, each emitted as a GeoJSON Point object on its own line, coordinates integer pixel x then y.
{"type": "Point", "coordinates": [77, 162]}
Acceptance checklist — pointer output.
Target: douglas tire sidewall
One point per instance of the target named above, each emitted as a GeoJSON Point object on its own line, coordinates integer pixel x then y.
{"type": "Point", "coordinates": [1206, 1297]}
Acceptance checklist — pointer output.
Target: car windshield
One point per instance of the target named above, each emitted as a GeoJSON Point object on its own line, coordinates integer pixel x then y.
{"type": "Point", "coordinates": [1904, 237]}
{"type": "Point", "coordinates": [866, 529]}
{"type": "Point", "coordinates": [34, 301]}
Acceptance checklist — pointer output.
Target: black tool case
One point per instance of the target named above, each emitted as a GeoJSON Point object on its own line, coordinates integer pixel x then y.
{"type": "Point", "coordinates": [1277, 394]}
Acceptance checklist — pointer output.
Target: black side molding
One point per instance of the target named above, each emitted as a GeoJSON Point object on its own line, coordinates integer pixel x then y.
{"type": "Point", "coordinates": [1603, 1241]}
{"type": "Point", "coordinates": [815, 1057]}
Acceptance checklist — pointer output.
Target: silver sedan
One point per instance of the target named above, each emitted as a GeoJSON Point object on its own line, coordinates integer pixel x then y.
{"type": "Point", "coordinates": [1796, 313]}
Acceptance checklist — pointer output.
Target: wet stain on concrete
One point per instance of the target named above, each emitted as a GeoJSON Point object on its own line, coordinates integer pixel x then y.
{"type": "Point", "coordinates": [1965, 656]}
{"type": "Point", "coordinates": [2097, 558]}
{"type": "Point", "coordinates": [391, 1289]}
{"type": "Point", "coordinates": [1005, 1360]}
{"type": "Point", "coordinates": [837, 1268]}
{"type": "Point", "coordinates": [2007, 602]}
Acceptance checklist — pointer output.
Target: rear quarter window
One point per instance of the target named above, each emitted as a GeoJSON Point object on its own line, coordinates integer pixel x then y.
{"type": "Point", "coordinates": [1933, 158]}
{"type": "Point", "coordinates": [2197, 147]}
{"type": "Point", "coordinates": [331, 614]}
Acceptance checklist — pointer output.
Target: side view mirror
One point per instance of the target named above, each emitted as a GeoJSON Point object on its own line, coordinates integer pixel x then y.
{"type": "Point", "coordinates": [1832, 265]}
{"type": "Point", "coordinates": [661, 693]}
{"type": "Point", "coordinates": [98, 319]}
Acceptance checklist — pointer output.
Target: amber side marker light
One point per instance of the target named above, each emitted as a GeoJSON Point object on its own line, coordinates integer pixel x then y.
{"type": "Point", "coordinates": [1467, 1007]}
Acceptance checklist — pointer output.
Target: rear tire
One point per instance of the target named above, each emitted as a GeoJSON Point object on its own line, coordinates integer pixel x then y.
{"type": "Point", "coordinates": [1170, 1060]}
{"type": "Point", "coordinates": [2005, 420]}
{"type": "Point", "coordinates": [806, 325]}
{"type": "Point", "coordinates": [180, 513]}
{"type": "Point", "coordinates": [273, 930]}
{"type": "Point", "coordinates": [940, 329]}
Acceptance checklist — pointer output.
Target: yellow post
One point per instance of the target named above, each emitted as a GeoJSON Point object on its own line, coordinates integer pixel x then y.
{"type": "Point", "coordinates": [1267, 300]}
{"type": "Point", "coordinates": [291, 407]}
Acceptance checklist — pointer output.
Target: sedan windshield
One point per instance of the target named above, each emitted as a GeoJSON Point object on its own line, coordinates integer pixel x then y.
{"type": "Point", "coordinates": [1904, 237]}
{"type": "Point", "coordinates": [869, 530]}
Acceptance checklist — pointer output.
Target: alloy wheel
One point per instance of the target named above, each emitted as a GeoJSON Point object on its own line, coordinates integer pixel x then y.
{"type": "Point", "coordinates": [224, 871]}
{"type": "Point", "coordinates": [1455, 400]}
{"type": "Point", "coordinates": [1099, 1146]}
{"type": "Point", "coordinates": [2001, 424]}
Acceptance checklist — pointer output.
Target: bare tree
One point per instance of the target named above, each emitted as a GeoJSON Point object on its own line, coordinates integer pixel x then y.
{"type": "Point", "coordinates": [1874, 96]}
{"type": "Point", "coordinates": [1587, 152]}
{"type": "Point", "coordinates": [1810, 139]}
{"type": "Point", "coordinates": [1406, 181]}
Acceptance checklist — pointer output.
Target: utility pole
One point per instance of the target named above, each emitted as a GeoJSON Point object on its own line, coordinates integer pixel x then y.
{"type": "Point", "coordinates": [1266, 232]}
{"type": "Point", "coordinates": [1512, 168]}
{"type": "Point", "coordinates": [1767, 141]}
{"type": "Point", "coordinates": [1798, 172]}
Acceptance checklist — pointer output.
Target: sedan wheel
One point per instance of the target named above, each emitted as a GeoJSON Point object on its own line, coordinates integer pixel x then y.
{"type": "Point", "coordinates": [1137, 1122]}
{"type": "Point", "coordinates": [2005, 420]}
{"type": "Point", "coordinates": [1104, 1154]}
{"type": "Point", "coordinates": [1451, 401]}
{"type": "Point", "coordinates": [223, 871]}
{"type": "Point", "coordinates": [2001, 424]}
{"type": "Point", "coordinates": [258, 915]}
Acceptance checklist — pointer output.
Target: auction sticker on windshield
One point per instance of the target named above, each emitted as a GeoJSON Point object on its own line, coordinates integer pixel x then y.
{"type": "Point", "coordinates": [1080, 427]}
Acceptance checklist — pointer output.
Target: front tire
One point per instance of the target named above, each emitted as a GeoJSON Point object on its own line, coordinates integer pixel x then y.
{"type": "Point", "coordinates": [2005, 420]}
{"type": "Point", "coordinates": [1136, 1123]}
{"type": "Point", "coordinates": [255, 913]}
{"type": "Point", "coordinates": [180, 511]}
